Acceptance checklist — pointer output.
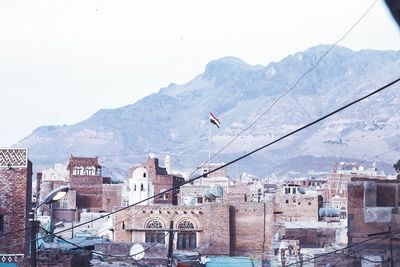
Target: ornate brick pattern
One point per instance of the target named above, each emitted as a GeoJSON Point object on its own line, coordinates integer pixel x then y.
{"type": "Point", "coordinates": [13, 157]}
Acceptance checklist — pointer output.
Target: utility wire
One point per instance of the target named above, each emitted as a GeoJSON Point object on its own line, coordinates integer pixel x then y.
{"type": "Point", "coordinates": [292, 87]}
{"type": "Point", "coordinates": [285, 93]}
{"type": "Point", "coordinates": [99, 253]}
{"type": "Point", "coordinates": [237, 159]}
{"type": "Point", "coordinates": [120, 221]}
{"type": "Point", "coordinates": [358, 251]}
{"type": "Point", "coordinates": [336, 250]}
{"type": "Point", "coordinates": [15, 231]}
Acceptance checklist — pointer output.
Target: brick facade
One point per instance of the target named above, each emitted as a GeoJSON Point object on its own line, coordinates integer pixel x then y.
{"type": "Point", "coordinates": [155, 181]}
{"type": "Point", "coordinates": [252, 229]}
{"type": "Point", "coordinates": [85, 177]}
{"type": "Point", "coordinates": [239, 229]}
{"type": "Point", "coordinates": [212, 235]}
{"type": "Point", "coordinates": [295, 205]}
{"type": "Point", "coordinates": [15, 201]}
{"type": "Point", "coordinates": [373, 212]}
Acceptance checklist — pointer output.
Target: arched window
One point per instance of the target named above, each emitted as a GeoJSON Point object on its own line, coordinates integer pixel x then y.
{"type": "Point", "coordinates": [186, 235]}
{"type": "Point", "coordinates": [154, 232]}
{"type": "Point", "coordinates": [144, 175]}
{"type": "Point", "coordinates": [141, 187]}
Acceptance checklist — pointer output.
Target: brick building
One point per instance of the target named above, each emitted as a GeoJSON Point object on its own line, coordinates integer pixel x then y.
{"type": "Point", "coordinates": [89, 191]}
{"type": "Point", "coordinates": [150, 179]}
{"type": "Point", "coordinates": [15, 200]}
{"type": "Point", "coordinates": [252, 228]}
{"type": "Point", "coordinates": [374, 220]}
{"type": "Point", "coordinates": [197, 227]}
{"type": "Point", "coordinates": [85, 178]}
{"type": "Point", "coordinates": [342, 173]}
{"type": "Point", "coordinates": [238, 229]}
{"type": "Point", "coordinates": [295, 204]}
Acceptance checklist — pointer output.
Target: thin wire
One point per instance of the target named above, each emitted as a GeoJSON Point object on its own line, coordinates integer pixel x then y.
{"type": "Point", "coordinates": [15, 231]}
{"type": "Point", "coordinates": [292, 87]}
{"type": "Point", "coordinates": [336, 250]}
{"type": "Point", "coordinates": [357, 251]}
{"type": "Point", "coordinates": [237, 159]}
{"type": "Point", "coordinates": [100, 253]}
{"type": "Point", "coordinates": [122, 220]}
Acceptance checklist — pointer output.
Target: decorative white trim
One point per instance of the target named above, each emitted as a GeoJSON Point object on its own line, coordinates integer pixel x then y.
{"type": "Point", "coordinates": [13, 157]}
{"type": "Point", "coordinates": [9, 258]}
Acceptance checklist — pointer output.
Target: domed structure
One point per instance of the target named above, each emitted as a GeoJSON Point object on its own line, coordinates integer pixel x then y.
{"type": "Point", "coordinates": [140, 185]}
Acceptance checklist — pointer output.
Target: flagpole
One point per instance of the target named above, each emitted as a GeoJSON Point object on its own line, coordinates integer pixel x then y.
{"type": "Point", "coordinates": [209, 145]}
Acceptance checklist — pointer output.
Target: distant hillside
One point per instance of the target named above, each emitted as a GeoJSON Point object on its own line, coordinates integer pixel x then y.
{"type": "Point", "coordinates": [175, 120]}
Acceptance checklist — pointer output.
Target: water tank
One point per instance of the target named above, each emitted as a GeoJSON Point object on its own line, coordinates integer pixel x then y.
{"type": "Point", "coordinates": [329, 212]}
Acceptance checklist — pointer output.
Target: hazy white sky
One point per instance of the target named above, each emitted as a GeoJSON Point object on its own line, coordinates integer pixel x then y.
{"type": "Point", "coordinates": [61, 61]}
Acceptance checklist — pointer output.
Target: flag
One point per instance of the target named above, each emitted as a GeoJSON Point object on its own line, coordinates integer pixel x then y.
{"type": "Point", "coordinates": [214, 120]}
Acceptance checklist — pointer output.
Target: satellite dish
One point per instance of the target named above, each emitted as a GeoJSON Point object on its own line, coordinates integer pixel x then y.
{"type": "Point", "coordinates": [137, 252]}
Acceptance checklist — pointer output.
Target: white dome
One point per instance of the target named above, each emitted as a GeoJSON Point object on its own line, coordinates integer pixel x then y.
{"type": "Point", "coordinates": [140, 173]}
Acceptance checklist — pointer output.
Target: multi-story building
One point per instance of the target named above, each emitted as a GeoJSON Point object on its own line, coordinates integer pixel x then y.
{"type": "Point", "coordinates": [85, 178]}
{"type": "Point", "coordinates": [342, 173]}
{"type": "Point", "coordinates": [150, 179]}
{"type": "Point", "coordinates": [15, 202]}
{"type": "Point", "coordinates": [237, 229]}
{"type": "Point", "coordinates": [58, 173]}
{"type": "Point", "coordinates": [89, 190]}
{"type": "Point", "coordinates": [296, 204]}
{"type": "Point", "coordinates": [374, 221]}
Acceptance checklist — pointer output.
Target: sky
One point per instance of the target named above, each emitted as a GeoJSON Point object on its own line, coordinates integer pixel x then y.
{"type": "Point", "coordinates": [61, 61]}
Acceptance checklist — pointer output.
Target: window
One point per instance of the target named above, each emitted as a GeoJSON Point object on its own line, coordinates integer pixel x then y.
{"type": "Point", "coordinates": [199, 200]}
{"type": "Point", "coordinates": [287, 190]}
{"type": "Point", "coordinates": [294, 190]}
{"type": "Point", "coordinates": [163, 196]}
{"type": "Point", "coordinates": [186, 236]}
{"type": "Point", "coordinates": [154, 233]}
{"type": "Point", "coordinates": [342, 214]}
{"type": "Point", "coordinates": [309, 203]}
{"type": "Point", "coordinates": [1, 223]}
{"type": "Point", "coordinates": [144, 175]}
{"type": "Point", "coordinates": [287, 201]}
{"type": "Point", "coordinates": [134, 187]}
{"type": "Point", "coordinates": [141, 187]}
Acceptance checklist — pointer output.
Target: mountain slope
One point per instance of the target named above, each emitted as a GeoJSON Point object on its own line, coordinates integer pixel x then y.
{"type": "Point", "coordinates": [175, 120]}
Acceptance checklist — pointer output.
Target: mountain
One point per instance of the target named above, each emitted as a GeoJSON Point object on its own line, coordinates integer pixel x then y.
{"type": "Point", "coordinates": [175, 120]}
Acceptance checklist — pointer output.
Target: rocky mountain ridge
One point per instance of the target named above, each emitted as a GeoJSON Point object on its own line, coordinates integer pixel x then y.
{"type": "Point", "coordinates": [175, 120]}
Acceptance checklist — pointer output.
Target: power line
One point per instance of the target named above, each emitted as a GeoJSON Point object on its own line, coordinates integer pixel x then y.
{"type": "Point", "coordinates": [15, 231]}
{"type": "Point", "coordinates": [237, 159]}
{"type": "Point", "coordinates": [293, 86]}
{"type": "Point", "coordinates": [367, 247]}
{"type": "Point", "coordinates": [337, 250]}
